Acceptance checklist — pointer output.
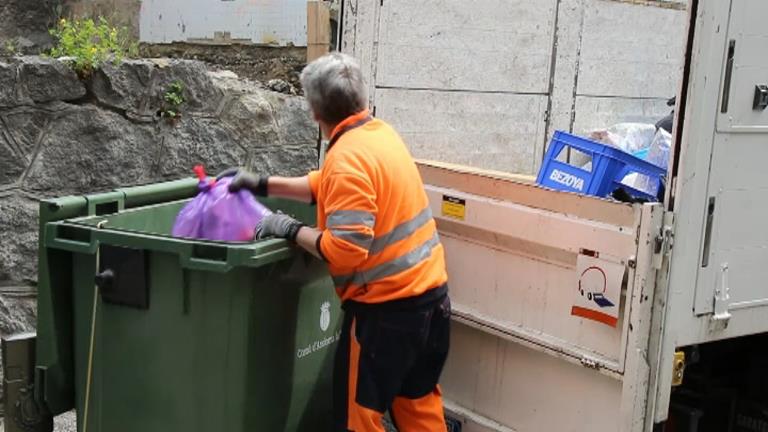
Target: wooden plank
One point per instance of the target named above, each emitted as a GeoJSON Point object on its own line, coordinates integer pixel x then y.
{"type": "Point", "coordinates": [538, 227]}
{"type": "Point", "coordinates": [318, 29]}
{"type": "Point", "coordinates": [521, 178]}
{"type": "Point", "coordinates": [472, 181]}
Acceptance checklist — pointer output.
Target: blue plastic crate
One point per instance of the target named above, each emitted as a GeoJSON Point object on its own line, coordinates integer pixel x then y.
{"type": "Point", "coordinates": [609, 167]}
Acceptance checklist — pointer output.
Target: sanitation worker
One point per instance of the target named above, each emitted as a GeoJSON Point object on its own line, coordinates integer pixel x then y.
{"type": "Point", "coordinates": [377, 235]}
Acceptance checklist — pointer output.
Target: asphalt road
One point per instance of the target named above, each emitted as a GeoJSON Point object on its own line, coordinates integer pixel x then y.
{"type": "Point", "coordinates": [68, 423]}
{"type": "Point", "coordinates": [63, 423]}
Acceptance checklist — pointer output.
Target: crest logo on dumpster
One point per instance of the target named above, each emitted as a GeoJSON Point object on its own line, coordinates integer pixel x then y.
{"type": "Point", "coordinates": [325, 316]}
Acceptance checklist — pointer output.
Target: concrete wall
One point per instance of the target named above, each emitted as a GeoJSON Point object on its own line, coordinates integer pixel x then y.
{"type": "Point", "coordinates": [261, 21]}
{"type": "Point", "coordinates": [486, 83]}
{"type": "Point", "coordinates": [273, 22]}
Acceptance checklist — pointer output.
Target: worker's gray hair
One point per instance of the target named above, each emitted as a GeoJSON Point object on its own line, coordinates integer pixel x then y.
{"type": "Point", "coordinates": [334, 87]}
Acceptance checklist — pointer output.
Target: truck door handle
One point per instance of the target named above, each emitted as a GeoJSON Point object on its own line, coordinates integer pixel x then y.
{"type": "Point", "coordinates": [708, 232]}
{"type": "Point", "coordinates": [728, 75]}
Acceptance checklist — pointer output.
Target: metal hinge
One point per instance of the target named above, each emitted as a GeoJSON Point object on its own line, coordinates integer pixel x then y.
{"type": "Point", "coordinates": [722, 295]}
{"type": "Point", "coordinates": [664, 241]}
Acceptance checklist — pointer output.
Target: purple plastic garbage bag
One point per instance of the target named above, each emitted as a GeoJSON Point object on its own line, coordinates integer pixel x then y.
{"type": "Point", "coordinates": [218, 214]}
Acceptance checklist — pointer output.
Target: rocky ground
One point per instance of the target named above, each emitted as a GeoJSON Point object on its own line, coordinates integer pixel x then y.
{"type": "Point", "coordinates": [63, 423]}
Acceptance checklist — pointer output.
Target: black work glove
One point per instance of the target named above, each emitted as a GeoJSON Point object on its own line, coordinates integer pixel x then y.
{"type": "Point", "coordinates": [278, 225]}
{"type": "Point", "coordinates": [244, 179]}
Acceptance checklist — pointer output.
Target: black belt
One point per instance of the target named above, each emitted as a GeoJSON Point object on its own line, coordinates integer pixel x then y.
{"type": "Point", "coordinates": [425, 300]}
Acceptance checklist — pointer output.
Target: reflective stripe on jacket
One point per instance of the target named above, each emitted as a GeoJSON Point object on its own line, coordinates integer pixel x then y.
{"type": "Point", "coordinates": [378, 234]}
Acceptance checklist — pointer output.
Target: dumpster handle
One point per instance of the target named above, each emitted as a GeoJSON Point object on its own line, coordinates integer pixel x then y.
{"type": "Point", "coordinates": [72, 245]}
{"type": "Point", "coordinates": [270, 257]}
{"type": "Point", "coordinates": [194, 263]}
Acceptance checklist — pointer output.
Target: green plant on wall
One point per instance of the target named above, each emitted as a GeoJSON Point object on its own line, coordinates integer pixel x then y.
{"type": "Point", "coordinates": [10, 47]}
{"type": "Point", "coordinates": [173, 98]}
{"type": "Point", "coordinates": [88, 43]}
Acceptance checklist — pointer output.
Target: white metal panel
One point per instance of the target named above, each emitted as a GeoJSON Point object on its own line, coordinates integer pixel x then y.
{"type": "Point", "coordinates": [501, 386]}
{"type": "Point", "coordinates": [750, 68]}
{"type": "Point", "coordinates": [518, 355]}
{"type": "Point", "coordinates": [492, 131]}
{"type": "Point", "coordinates": [487, 45]}
{"type": "Point", "coordinates": [738, 238]}
{"type": "Point", "coordinates": [632, 50]}
{"type": "Point", "coordinates": [259, 21]}
{"type": "Point", "coordinates": [507, 290]}
{"type": "Point", "coordinates": [678, 324]}
{"type": "Point", "coordinates": [513, 269]}
{"type": "Point", "coordinates": [724, 165]}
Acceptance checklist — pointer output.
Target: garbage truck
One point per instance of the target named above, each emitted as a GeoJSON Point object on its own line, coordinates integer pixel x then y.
{"type": "Point", "coordinates": [571, 312]}
{"type": "Point", "coordinates": [687, 348]}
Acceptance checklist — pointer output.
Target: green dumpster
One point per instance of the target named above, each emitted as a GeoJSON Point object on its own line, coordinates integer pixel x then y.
{"type": "Point", "coordinates": [180, 335]}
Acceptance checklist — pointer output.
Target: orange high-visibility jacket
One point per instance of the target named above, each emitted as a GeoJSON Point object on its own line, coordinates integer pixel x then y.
{"type": "Point", "coordinates": [378, 234]}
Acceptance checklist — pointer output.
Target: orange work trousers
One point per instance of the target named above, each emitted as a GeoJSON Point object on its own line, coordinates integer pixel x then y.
{"type": "Point", "coordinates": [390, 358]}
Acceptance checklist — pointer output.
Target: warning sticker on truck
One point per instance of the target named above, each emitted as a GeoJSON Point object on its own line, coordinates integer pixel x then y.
{"type": "Point", "coordinates": [598, 289]}
{"type": "Point", "coordinates": [454, 207]}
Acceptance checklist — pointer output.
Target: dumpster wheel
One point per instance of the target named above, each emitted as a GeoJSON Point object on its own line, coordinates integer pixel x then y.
{"type": "Point", "coordinates": [28, 415]}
